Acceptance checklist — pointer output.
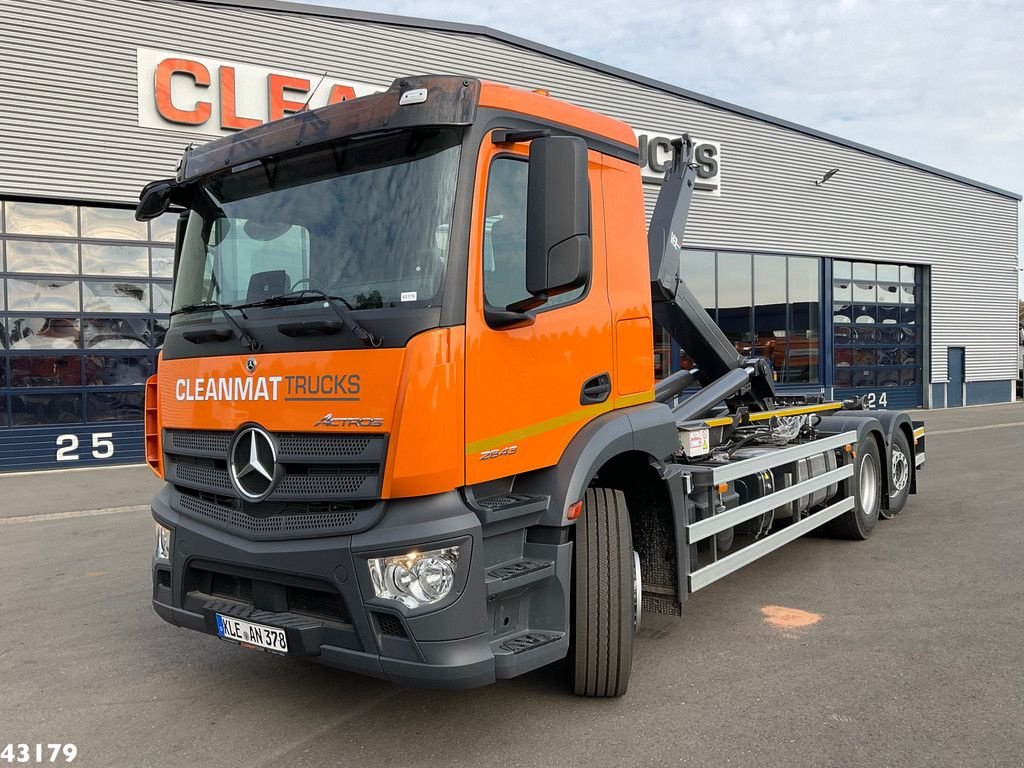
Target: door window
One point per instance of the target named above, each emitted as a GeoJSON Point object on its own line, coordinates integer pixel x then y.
{"type": "Point", "coordinates": [504, 252]}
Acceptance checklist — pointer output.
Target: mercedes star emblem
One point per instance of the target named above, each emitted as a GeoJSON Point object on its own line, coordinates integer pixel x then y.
{"type": "Point", "coordinates": [252, 463]}
{"type": "Point", "coordinates": [250, 365]}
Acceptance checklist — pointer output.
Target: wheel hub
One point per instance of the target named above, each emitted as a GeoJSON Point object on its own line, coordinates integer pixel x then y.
{"type": "Point", "coordinates": [868, 484]}
{"type": "Point", "coordinates": [900, 470]}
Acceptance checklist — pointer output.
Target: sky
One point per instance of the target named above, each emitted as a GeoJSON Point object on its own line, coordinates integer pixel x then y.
{"type": "Point", "coordinates": [938, 82]}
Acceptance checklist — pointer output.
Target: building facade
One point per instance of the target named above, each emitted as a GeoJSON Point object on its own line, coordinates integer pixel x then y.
{"type": "Point", "coordinates": [890, 279]}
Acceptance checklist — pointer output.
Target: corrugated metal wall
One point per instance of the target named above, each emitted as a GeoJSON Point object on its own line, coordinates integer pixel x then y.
{"type": "Point", "coordinates": [69, 129]}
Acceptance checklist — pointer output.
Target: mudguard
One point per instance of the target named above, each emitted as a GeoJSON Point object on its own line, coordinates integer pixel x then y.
{"type": "Point", "coordinates": [648, 428]}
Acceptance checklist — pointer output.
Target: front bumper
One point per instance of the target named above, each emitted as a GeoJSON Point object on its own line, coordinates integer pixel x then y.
{"type": "Point", "coordinates": [319, 592]}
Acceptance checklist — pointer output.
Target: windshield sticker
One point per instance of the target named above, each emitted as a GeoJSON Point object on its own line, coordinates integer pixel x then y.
{"type": "Point", "coordinates": [408, 295]}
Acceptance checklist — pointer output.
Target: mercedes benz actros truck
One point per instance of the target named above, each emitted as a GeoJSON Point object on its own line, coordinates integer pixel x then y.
{"type": "Point", "coordinates": [406, 410]}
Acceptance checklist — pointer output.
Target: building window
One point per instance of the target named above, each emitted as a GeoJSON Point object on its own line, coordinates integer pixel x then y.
{"type": "Point", "coordinates": [766, 305]}
{"type": "Point", "coordinates": [84, 296]}
{"type": "Point", "coordinates": [876, 320]}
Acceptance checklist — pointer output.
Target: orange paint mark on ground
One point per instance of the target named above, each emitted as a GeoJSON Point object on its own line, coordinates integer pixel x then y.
{"type": "Point", "coordinates": [789, 618]}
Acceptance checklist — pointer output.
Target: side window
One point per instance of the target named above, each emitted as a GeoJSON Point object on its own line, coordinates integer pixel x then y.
{"type": "Point", "coordinates": [504, 256]}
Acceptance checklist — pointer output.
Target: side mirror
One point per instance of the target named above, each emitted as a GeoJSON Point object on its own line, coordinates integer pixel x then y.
{"type": "Point", "coordinates": [154, 199]}
{"type": "Point", "coordinates": [558, 247]}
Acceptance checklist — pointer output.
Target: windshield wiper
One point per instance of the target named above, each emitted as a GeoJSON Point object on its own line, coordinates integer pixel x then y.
{"type": "Point", "coordinates": [247, 339]}
{"type": "Point", "coordinates": [338, 304]}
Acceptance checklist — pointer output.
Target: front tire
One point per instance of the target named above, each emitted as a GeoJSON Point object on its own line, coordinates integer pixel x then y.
{"type": "Point", "coordinates": [603, 616]}
{"type": "Point", "coordinates": [859, 522]}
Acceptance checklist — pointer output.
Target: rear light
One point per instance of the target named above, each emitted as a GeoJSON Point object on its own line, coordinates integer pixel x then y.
{"type": "Point", "coordinates": [152, 417]}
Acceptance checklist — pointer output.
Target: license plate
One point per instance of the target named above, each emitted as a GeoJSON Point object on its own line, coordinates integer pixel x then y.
{"type": "Point", "coordinates": [252, 635]}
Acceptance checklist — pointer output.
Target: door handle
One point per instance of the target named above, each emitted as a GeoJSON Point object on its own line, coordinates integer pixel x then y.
{"type": "Point", "coordinates": [596, 389]}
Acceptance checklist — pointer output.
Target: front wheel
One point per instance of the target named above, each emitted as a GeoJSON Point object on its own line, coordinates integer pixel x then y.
{"type": "Point", "coordinates": [860, 521]}
{"type": "Point", "coordinates": [604, 614]}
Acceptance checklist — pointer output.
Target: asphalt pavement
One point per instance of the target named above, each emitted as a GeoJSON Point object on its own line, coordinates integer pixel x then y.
{"type": "Point", "coordinates": [917, 658]}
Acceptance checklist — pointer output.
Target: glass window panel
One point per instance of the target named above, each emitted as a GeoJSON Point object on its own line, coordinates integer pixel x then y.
{"type": "Point", "coordinates": [863, 270]}
{"type": "Point", "coordinates": [842, 290]}
{"type": "Point", "coordinates": [908, 355]}
{"type": "Point", "coordinates": [842, 269]}
{"type": "Point", "coordinates": [843, 357]}
{"type": "Point", "coordinates": [3, 411]}
{"type": "Point", "coordinates": [864, 377]}
{"type": "Point", "coordinates": [888, 315]}
{"type": "Point", "coordinates": [3, 339]}
{"type": "Point", "coordinates": [112, 224]}
{"type": "Point", "coordinates": [908, 376]}
{"type": "Point", "coordinates": [116, 333]}
{"type": "Point", "coordinates": [29, 256]}
{"type": "Point", "coordinates": [908, 315]}
{"type": "Point", "coordinates": [46, 371]}
{"type": "Point", "coordinates": [888, 293]}
{"type": "Point", "coordinates": [43, 295]}
{"type": "Point", "coordinates": [698, 270]}
{"type": "Point", "coordinates": [864, 356]}
{"type": "Point", "coordinates": [889, 377]}
{"type": "Point", "coordinates": [163, 262]}
{"type": "Point", "coordinates": [888, 273]}
{"type": "Point", "coordinates": [908, 334]}
{"type": "Point", "coordinates": [804, 300]}
{"type": "Point", "coordinates": [735, 297]}
{"type": "Point", "coordinates": [29, 410]}
{"type": "Point", "coordinates": [161, 298]}
{"type": "Point", "coordinates": [41, 219]}
{"type": "Point", "coordinates": [44, 333]}
{"type": "Point", "coordinates": [864, 313]}
{"type": "Point", "coordinates": [908, 294]}
{"type": "Point", "coordinates": [115, 260]}
{"type": "Point", "coordinates": [908, 274]}
{"type": "Point", "coordinates": [117, 370]}
{"type": "Point", "coordinates": [864, 292]}
{"type": "Point", "coordinates": [844, 377]}
{"type": "Point", "coordinates": [888, 356]}
{"type": "Point", "coordinates": [120, 297]}
{"type": "Point", "coordinates": [862, 335]}
{"type": "Point", "coordinates": [163, 228]}
{"type": "Point", "coordinates": [160, 330]}
{"type": "Point", "coordinates": [843, 334]}
{"type": "Point", "coordinates": [770, 337]}
{"type": "Point", "coordinates": [889, 335]}
{"type": "Point", "coordinates": [842, 313]}
{"type": "Point", "coordinates": [115, 406]}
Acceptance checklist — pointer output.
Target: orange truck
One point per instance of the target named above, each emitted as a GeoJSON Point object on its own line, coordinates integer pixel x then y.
{"type": "Point", "coordinates": [406, 411]}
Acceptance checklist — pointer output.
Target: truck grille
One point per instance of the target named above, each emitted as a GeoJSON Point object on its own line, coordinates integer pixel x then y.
{"type": "Point", "coordinates": [329, 484]}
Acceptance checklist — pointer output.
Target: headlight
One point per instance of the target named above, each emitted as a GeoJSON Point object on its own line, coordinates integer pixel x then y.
{"type": "Point", "coordinates": [416, 578]}
{"type": "Point", "coordinates": [162, 551]}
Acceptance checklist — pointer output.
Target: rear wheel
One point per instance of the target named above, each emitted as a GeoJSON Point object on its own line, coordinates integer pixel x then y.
{"type": "Point", "coordinates": [899, 475]}
{"type": "Point", "coordinates": [604, 578]}
{"type": "Point", "coordinates": [860, 521]}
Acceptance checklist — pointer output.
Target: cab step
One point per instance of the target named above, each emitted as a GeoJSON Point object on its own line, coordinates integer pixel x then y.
{"type": "Point", "coordinates": [526, 650]}
{"type": "Point", "coordinates": [509, 511]}
{"type": "Point", "coordinates": [517, 573]}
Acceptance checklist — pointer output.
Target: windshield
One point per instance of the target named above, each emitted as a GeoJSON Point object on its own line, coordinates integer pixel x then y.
{"type": "Point", "coordinates": [364, 220]}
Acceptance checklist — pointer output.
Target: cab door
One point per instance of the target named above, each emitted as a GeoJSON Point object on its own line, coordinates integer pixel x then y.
{"type": "Point", "coordinates": [529, 389]}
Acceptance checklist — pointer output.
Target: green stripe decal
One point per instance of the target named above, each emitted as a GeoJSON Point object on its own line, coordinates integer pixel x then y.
{"type": "Point", "coordinates": [580, 414]}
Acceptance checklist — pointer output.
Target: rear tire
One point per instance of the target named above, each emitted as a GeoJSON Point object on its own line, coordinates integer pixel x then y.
{"type": "Point", "coordinates": [900, 472]}
{"type": "Point", "coordinates": [603, 622]}
{"type": "Point", "coordinates": [859, 522]}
